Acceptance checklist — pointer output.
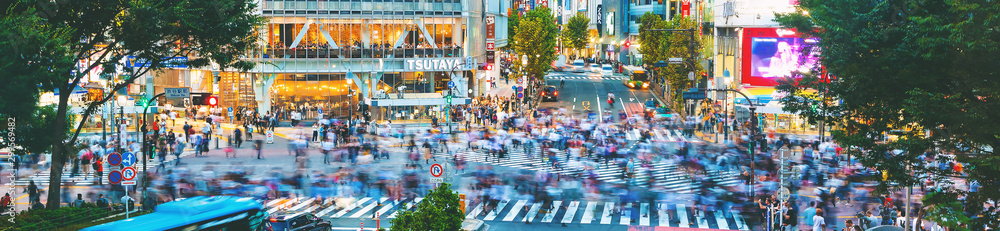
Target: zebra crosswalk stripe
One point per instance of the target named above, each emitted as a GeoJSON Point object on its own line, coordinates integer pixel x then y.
{"type": "Point", "coordinates": [631, 213]}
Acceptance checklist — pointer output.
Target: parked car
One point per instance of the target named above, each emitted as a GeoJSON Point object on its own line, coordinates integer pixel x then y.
{"type": "Point", "coordinates": [549, 93]}
{"type": "Point", "coordinates": [297, 221]}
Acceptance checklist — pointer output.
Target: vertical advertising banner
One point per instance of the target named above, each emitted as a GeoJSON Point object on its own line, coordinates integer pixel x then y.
{"type": "Point", "coordinates": [491, 27]}
{"type": "Point", "coordinates": [686, 8]}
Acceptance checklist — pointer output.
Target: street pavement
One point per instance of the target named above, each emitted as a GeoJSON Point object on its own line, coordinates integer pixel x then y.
{"type": "Point", "coordinates": [583, 91]}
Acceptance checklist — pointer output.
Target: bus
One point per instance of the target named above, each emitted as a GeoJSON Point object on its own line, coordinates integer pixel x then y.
{"type": "Point", "coordinates": [198, 213]}
{"type": "Point", "coordinates": [635, 77]}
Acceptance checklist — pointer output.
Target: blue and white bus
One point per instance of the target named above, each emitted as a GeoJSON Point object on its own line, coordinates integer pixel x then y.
{"type": "Point", "coordinates": [198, 213]}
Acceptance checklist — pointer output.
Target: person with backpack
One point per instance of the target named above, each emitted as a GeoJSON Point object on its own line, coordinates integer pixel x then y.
{"type": "Point", "coordinates": [102, 202]}
{"type": "Point", "coordinates": [79, 201]}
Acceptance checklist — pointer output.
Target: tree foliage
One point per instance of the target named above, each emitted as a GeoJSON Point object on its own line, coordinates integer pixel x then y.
{"type": "Point", "coordinates": [101, 34]}
{"type": "Point", "coordinates": [661, 45]}
{"type": "Point", "coordinates": [536, 38]}
{"type": "Point", "coordinates": [575, 35]}
{"type": "Point", "coordinates": [41, 57]}
{"type": "Point", "coordinates": [924, 71]}
{"type": "Point", "coordinates": [440, 210]}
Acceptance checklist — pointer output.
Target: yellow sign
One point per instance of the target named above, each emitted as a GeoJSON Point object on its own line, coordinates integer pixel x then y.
{"type": "Point", "coordinates": [586, 105]}
{"type": "Point", "coordinates": [885, 175]}
{"type": "Point", "coordinates": [461, 202]}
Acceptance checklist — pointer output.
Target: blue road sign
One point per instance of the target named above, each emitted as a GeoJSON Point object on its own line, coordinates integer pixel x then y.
{"type": "Point", "coordinates": [520, 88]}
{"type": "Point", "coordinates": [115, 177]}
{"type": "Point", "coordinates": [520, 95]}
{"type": "Point", "coordinates": [230, 109]}
{"type": "Point", "coordinates": [114, 159]}
{"type": "Point", "coordinates": [451, 84]}
{"type": "Point", "coordinates": [128, 159]}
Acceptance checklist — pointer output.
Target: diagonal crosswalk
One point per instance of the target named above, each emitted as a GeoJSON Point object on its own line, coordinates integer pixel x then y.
{"type": "Point", "coordinates": [671, 177]}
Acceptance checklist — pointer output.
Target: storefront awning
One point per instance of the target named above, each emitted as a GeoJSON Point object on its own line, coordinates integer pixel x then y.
{"type": "Point", "coordinates": [417, 99]}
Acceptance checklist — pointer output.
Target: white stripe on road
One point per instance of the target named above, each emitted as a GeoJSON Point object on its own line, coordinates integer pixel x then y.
{"type": "Point", "coordinates": [626, 219]}
{"type": "Point", "coordinates": [552, 212]}
{"type": "Point", "coordinates": [350, 207]}
{"type": "Point", "coordinates": [532, 212]}
{"type": "Point", "coordinates": [496, 211]}
{"type": "Point", "coordinates": [303, 204]}
{"type": "Point", "coordinates": [644, 214]}
{"type": "Point", "coordinates": [682, 215]}
{"type": "Point", "coordinates": [570, 212]}
{"type": "Point", "coordinates": [664, 216]}
{"type": "Point", "coordinates": [740, 224]}
{"type": "Point", "coordinates": [721, 220]}
{"type": "Point", "coordinates": [475, 212]}
{"type": "Point", "coordinates": [370, 206]}
{"type": "Point", "coordinates": [606, 218]}
{"type": "Point", "coordinates": [515, 210]}
{"type": "Point", "coordinates": [588, 213]}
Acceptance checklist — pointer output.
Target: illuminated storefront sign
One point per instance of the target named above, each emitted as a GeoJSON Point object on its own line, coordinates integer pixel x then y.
{"type": "Point", "coordinates": [433, 64]}
{"type": "Point", "coordinates": [611, 23]}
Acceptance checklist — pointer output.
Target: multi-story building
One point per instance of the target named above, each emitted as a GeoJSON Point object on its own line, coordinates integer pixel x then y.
{"type": "Point", "coordinates": [401, 57]}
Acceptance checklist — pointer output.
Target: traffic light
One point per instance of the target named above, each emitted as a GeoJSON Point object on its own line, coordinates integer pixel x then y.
{"type": "Point", "coordinates": [212, 101]}
{"type": "Point", "coordinates": [704, 75]}
{"type": "Point", "coordinates": [448, 99]}
{"type": "Point", "coordinates": [627, 43]}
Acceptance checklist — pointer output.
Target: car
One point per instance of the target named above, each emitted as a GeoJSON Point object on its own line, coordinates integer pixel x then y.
{"type": "Point", "coordinates": [549, 93]}
{"type": "Point", "coordinates": [560, 68]}
{"type": "Point", "coordinates": [595, 68]}
{"type": "Point", "coordinates": [298, 221]}
{"type": "Point", "coordinates": [607, 70]}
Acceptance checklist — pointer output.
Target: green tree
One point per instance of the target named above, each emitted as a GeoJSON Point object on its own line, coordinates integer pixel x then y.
{"type": "Point", "coordinates": [101, 34]}
{"type": "Point", "coordinates": [440, 210]}
{"type": "Point", "coordinates": [923, 71]}
{"type": "Point", "coordinates": [575, 35]}
{"type": "Point", "coordinates": [661, 45]}
{"type": "Point", "coordinates": [536, 38]}
{"type": "Point", "coordinates": [513, 20]}
{"type": "Point", "coordinates": [41, 58]}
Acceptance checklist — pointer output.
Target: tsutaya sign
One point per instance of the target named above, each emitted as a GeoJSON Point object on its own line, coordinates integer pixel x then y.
{"type": "Point", "coordinates": [434, 64]}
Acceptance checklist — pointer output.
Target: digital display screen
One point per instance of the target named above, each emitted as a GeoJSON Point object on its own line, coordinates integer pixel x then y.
{"type": "Point", "coordinates": [782, 57]}
{"type": "Point", "coordinates": [773, 53]}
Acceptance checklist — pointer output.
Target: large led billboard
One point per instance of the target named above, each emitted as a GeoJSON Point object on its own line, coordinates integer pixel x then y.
{"type": "Point", "coordinates": [770, 54]}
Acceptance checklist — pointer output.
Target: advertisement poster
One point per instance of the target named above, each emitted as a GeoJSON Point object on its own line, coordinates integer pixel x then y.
{"type": "Point", "coordinates": [775, 53]}
{"type": "Point", "coordinates": [686, 8]}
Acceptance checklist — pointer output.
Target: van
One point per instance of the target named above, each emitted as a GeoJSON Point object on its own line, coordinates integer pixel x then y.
{"type": "Point", "coordinates": [579, 65]}
{"type": "Point", "coordinates": [607, 70]}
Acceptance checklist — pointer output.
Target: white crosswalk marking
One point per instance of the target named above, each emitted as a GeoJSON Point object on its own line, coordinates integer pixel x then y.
{"type": "Point", "coordinates": [682, 216]}
{"type": "Point", "coordinates": [532, 212]}
{"type": "Point", "coordinates": [606, 218]}
{"type": "Point", "coordinates": [367, 208]}
{"type": "Point", "coordinates": [639, 214]}
{"type": "Point", "coordinates": [740, 223]}
{"type": "Point", "coordinates": [475, 212]}
{"type": "Point", "coordinates": [664, 216]}
{"type": "Point", "coordinates": [515, 210]}
{"type": "Point", "coordinates": [588, 213]}
{"type": "Point", "coordinates": [552, 212]}
{"type": "Point", "coordinates": [720, 219]}
{"type": "Point", "coordinates": [700, 219]}
{"type": "Point", "coordinates": [571, 212]}
{"type": "Point", "coordinates": [408, 206]}
{"type": "Point", "coordinates": [493, 214]}
{"type": "Point", "coordinates": [644, 214]}
{"type": "Point", "coordinates": [350, 207]}
{"type": "Point", "coordinates": [626, 215]}
{"type": "Point", "coordinates": [302, 204]}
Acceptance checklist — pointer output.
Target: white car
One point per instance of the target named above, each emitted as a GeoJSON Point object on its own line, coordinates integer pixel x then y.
{"type": "Point", "coordinates": [607, 70]}
{"type": "Point", "coordinates": [595, 68]}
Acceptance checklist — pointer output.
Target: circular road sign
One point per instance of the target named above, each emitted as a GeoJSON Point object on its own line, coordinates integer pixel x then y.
{"type": "Point", "coordinates": [128, 159]}
{"type": "Point", "coordinates": [783, 194]}
{"type": "Point", "coordinates": [437, 170]}
{"type": "Point", "coordinates": [115, 177]}
{"type": "Point", "coordinates": [114, 159]}
{"type": "Point", "coordinates": [128, 173]}
{"type": "Point", "coordinates": [520, 95]}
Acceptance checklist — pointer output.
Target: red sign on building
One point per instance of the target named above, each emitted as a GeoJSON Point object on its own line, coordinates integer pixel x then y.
{"type": "Point", "coordinates": [491, 23]}
{"type": "Point", "coordinates": [686, 8]}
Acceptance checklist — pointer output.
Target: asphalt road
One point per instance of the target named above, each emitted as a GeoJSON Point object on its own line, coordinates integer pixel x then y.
{"type": "Point", "coordinates": [589, 91]}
